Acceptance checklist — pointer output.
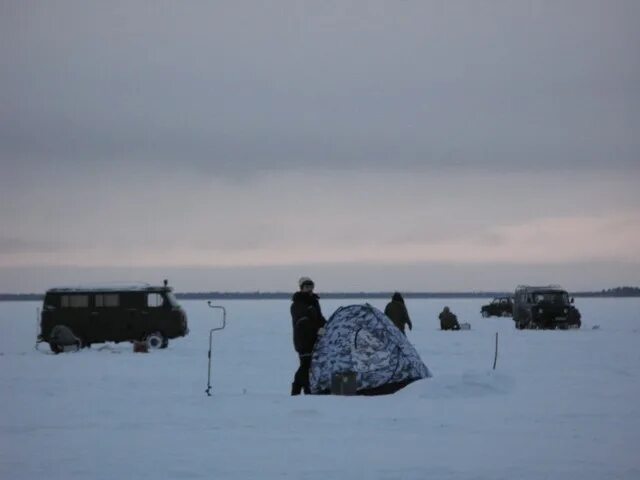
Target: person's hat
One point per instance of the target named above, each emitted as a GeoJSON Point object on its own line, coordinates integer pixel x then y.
{"type": "Point", "coordinates": [305, 281]}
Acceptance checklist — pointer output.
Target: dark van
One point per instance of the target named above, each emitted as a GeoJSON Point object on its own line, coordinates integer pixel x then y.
{"type": "Point", "coordinates": [114, 314]}
{"type": "Point", "coordinates": [546, 307]}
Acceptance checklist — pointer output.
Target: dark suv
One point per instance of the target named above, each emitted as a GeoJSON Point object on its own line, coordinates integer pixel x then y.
{"type": "Point", "coordinates": [114, 314]}
{"type": "Point", "coordinates": [499, 307]}
{"type": "Point", "coordinates": [545, 307]}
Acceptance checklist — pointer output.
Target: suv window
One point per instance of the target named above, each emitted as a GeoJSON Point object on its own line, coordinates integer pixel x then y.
{"type": "Point", "coordinates": [74, 301]}
{"type": "Point", "coordinates": [154, 300]}
{"type": "Point", "coordinates": [107, 300]}
{"type": "Point", "coordinates": [551, 297]}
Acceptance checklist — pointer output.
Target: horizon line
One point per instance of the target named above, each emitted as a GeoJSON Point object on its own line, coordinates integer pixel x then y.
{"type": "Point", "coordinates": [620, 291]}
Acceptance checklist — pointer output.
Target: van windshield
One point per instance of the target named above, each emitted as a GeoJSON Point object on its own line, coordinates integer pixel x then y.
{"type": "Point", "coordinates": [172, 299]}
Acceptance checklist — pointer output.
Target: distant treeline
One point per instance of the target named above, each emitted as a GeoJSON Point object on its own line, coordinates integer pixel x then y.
{"type": "Point", "coordinates": [612, 292]}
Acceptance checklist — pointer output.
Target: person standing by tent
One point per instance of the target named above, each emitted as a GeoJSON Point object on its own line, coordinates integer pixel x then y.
{"type": "Point", "coordinates": [448, 320]}
{"type": "Point", "coordinates": [396, 310]}
{"type": "Point", "coordinates": [308, 323]}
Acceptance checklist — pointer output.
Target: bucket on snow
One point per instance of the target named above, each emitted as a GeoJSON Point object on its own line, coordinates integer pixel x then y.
{"type": "Point", "coordinates": [140, 347]}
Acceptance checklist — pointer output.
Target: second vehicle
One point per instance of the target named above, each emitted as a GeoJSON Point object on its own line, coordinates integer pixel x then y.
{"type": "Point", "coordinates": [545, 307]}
{"type": "Point", "coordinates": [499, 307]}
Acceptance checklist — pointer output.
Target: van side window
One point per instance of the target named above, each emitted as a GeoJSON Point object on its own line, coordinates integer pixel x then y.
{"type": "Point", "coordinates": [154, 300]}
{"type": "Point", "coordinates": [74, 301]}
{"type": "Point", "coordinates": [107, 300]}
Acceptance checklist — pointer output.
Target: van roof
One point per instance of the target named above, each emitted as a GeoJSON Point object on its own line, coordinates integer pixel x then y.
{"type": "Point", "coordinates": [140, 287]}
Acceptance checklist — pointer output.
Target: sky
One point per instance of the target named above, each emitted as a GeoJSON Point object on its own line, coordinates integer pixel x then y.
{"type": "Point", "coordinates": [236, 146]}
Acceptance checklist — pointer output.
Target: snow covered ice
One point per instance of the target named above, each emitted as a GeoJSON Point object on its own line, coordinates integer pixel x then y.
{"type": "Point", "coordinates": [561, 404]}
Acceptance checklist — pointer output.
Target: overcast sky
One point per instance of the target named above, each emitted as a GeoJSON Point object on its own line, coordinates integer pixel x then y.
{"type": "Point", "coordinates": [413, 145]}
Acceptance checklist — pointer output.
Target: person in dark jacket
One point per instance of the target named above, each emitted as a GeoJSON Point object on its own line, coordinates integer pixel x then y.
{"type": "Point", "coordinates": [308, 323]}
{"type": "Point", "coordinates": [448, 320]}
{"type": "Point", "coordinates": [396, 310]}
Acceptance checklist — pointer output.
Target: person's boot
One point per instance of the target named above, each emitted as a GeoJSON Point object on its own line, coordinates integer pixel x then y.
{"type": "Point", "coordinates": [295, 389]}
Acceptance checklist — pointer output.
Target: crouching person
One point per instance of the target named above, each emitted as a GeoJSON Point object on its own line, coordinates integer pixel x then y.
{"type": "Point", "coordinates": [448, 320]}
{"type": "Point", "coordinates": [62, 339]}
{"type": "Point", "coordinates": [308, 323]}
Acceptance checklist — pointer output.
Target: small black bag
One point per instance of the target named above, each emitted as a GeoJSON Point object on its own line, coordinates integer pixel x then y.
{"type": "Point", "coordinates": [345, 383]}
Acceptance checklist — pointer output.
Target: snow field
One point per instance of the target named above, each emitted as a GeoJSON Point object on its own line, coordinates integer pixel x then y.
{"type": "Point", "coordinates": [561, 404]}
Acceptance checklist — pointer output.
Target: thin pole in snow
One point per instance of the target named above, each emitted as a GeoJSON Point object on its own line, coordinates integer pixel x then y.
{"type": "Point", "coordinates": [224, 324]}
{"type": "Point", "coordinates": [38, 328]}
{"type": "Point", "coordinates": [495, 357]}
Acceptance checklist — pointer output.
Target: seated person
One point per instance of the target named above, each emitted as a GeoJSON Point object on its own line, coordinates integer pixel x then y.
{"type": "Point", "coordinates": [448, 320]}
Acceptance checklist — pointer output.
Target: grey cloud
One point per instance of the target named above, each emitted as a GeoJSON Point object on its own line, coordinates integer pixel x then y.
{"type": "Point", "coordinates": [224, 88]}
{"type": "Point", "coordinates": [490, 238]}
{"type": "Point", "coordinates": [245, 236]}
{"type": "Point", "coordinates": [13, 245]}
{"type": "Point", "coordinates": [478, 232]}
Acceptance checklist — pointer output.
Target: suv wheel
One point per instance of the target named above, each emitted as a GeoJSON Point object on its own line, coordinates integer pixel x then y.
{"type": "Point", "coordinates": [485, 314]}
{"type": "Point", "coordinates": [154, 340]}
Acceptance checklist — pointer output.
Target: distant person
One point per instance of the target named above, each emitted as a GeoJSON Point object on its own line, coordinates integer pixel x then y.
{"type": "Point", "coordinates": [396, 310]}
{"type": "Point", "coordinates": [448, 320]}
{"type": "Point", "coordinates": [308, 323]}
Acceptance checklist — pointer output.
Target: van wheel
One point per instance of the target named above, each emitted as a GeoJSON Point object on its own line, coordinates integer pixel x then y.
{"type": "Point", "coordinates": [485, 314]}
{"type": "Point", "coordinates": [154, 340]}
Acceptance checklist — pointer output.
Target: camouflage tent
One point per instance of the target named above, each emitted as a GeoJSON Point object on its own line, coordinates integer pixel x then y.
{"type": "Point", "coordinates": [360, 339]}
